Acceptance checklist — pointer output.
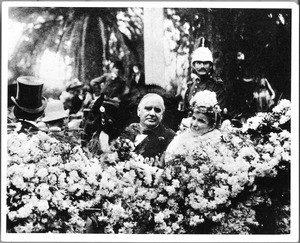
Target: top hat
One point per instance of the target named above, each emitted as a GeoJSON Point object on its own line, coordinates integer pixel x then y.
{"type": "Point", "coordinates": [73, 84]}
{"type": "Point", "coordinates": [29, 95]}
{"type": "Point", "coordinates": [54, 111]}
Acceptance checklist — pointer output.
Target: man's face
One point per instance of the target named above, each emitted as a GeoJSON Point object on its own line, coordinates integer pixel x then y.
{"type": "Point", "coordinates": [202, 68]}
{"type": "Point", "coordinates": [151, 112]}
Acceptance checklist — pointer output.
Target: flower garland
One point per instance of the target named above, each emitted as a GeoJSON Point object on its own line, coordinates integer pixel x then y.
{"type": "Point", "coordinates": [49, 184]}
{"type": "Point", "coordinates": [222, 188]}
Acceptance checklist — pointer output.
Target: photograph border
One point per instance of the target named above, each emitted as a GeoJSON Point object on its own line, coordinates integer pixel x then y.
{"type": "Point", "coordinates": [293, 237]}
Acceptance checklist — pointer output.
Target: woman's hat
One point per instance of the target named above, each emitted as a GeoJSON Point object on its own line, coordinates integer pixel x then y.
{"type": "Point", "coordinates": [55, 110]}
{"type": "Point", "coordinates": [29, 95]}
{"type": "Point", "coordinates": [73, 84]}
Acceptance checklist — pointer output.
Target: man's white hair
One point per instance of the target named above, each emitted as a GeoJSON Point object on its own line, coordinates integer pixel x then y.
{"type": "Point", "coordinates": [152, 95]}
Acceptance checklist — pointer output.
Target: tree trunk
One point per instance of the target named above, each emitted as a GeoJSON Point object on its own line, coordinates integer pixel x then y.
{"type": "Point", "coordinates": [91, 53]}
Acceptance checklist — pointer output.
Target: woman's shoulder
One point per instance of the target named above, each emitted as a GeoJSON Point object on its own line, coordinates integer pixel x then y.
{"type": "Point", "coordinates": [182, 144]}
{"type": "Point", "coordinates": [182, 139]}
{"type": "Point", "coordinates": [214, 136]}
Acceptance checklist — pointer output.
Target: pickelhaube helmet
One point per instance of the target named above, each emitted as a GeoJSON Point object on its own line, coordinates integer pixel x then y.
{"type": "Point", "coordinates": [202, 54]}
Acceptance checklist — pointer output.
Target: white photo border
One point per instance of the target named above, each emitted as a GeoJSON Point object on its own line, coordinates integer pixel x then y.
{"type": "Point", "coordinates": [293, 237]}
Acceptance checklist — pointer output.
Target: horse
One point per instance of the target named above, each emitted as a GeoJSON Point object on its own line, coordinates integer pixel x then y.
{"type": "Point", "coordinates": [107, 118]}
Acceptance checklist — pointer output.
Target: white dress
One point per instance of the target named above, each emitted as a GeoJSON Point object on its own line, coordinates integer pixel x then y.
{"type": "Point", "coordinates": [187, 142]}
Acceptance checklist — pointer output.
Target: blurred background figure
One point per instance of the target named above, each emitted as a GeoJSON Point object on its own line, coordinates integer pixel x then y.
{"type": "Point", "coordinates": [87, 94]}
{"type": "Point", "coordinates": [97, 85]}
{"type": "Point", "coordinates": [72, 98]}
{"type": "Point", "coordinates": [114, 83]}
{"type": "Point", "coordinates": [263, 95]}
{"type": "Point", "coordinates": [244, 86]}
{"type": "Point", "coordinates": [137, 77]}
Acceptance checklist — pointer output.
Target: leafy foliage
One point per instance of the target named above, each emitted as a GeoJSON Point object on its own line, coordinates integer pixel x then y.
{"type": "Point", "coordinates": [84, 38]}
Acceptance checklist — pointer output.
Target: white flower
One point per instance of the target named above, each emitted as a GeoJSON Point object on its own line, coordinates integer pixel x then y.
{"type": "Point", "coordinates": [128, 191]}
{"type": "Point", "coordinates": [25, 211]}
{"type": "Point", "coordinates": [218, 217]}
{"type": "Point", "coordinates": [159, 217]}
{"type": "Point", "coordinates": [176, 183]}
{"type": "Point", "coordinates": [226, 125]}
{"type": "Point", "coordinates": [232, 180]}
{"type": "Point", "coordinates": [58, 196]}
{"type": "Point", "coordinates": [151, 194]}
{"type": "Point", "coordinates": [28, 171]}
{"type": "Point", "coordinates": [195, 220]}
{"type": "Point", "coordinates": [168, 173]}
{"type": "Point", "coordinates": [170, 189]}
{"type": "Point", "coordinates": [42, 172]}
{"type": "Point", "coordinates": [74, 175]}
{"type": "Point", "coordinates": [268, 148]}
{"type": "Point", "coordinates": [284, 134]}
{"type": "Point", "coordinates": [18, 182]}
{"type": "Point", "coordinates": [161, 198]}
{"type": "Point", "coordinates": [43, 205]}
{"type": "Point", "coordinates": [282, 104]}
{"type": "Point", "coordinates": [283, 119]}
{"type": "Point", "coordinates": [44, 191]}
{"type": "Point", "coordinates": [12, 215]}
{"type": "Point", "coordinates": [236, 141]}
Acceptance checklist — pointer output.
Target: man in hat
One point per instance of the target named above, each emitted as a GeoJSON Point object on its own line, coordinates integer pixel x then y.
{"type": "Point", "coordinates": [29, 104]}
{"type": "Point", "coordinates": [72, 98]}
{"type": "Point", "coordinates": [202, 77]}
{"type": "Point", "coordinates": [150, 136]}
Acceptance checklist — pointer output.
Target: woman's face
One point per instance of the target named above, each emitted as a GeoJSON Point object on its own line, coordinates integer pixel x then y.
{"type": "Point", "coordinates": [200, 123]}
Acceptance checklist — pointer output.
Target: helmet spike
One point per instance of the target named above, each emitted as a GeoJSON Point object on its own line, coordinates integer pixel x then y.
{"type": "Point", "coordinates": [202, 42]}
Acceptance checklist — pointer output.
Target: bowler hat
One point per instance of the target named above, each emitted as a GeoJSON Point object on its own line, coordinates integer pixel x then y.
{"type": "Point", "coordinates": [29, 95]}
{"type": "Point", "coordinates": [74, 83]}
{"type": "Point", "coordinates": [54, 111]}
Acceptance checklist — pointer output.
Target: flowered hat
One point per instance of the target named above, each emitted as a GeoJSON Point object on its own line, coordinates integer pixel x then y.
{"type": "Point", "coordinates": [55, 110]}
{"type": "Point", "coordinates": [29, 97]}
{"type": "Point", "coordinates": [73, 84]}
{"type": "Point", "coordinates": [206, 102]}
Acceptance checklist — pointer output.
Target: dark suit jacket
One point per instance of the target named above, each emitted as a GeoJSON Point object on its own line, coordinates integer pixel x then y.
{"type": "Point", "coordinates": [154, 144]}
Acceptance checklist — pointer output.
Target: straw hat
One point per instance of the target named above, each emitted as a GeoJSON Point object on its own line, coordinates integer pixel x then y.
{"type": "Point", "coordinates": [29, 95]}
{"type": "Point", "coordinates": [54, 111]}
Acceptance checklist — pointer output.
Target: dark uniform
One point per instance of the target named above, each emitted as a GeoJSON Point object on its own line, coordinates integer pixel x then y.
{"type": "Point", "coordinates": [206, 82]}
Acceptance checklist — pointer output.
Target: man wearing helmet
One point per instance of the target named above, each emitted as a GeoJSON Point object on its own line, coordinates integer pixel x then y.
{"type": "Point", "coordinates": [201, 77]}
